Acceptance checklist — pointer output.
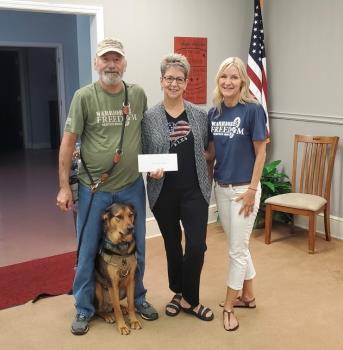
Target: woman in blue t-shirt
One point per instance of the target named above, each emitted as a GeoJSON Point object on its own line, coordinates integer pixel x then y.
{"type": "Point", "coordinates": [237, 135]}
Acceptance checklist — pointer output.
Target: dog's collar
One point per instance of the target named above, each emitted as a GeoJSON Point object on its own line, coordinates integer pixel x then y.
{"type": "Point", "coordinates": [122, 248]}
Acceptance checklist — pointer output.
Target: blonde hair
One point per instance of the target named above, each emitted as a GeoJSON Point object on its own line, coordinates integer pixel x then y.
{"type": "Point", "coordinates": [244, 95]}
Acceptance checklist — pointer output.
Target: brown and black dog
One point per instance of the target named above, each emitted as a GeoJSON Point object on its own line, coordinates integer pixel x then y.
{"type": "Point", "coordinates": [115, 268]}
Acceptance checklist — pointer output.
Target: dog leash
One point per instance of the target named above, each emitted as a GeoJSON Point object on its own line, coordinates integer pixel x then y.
{"type": "Point", "coordinates": [104, 177]}
{"type": "Point", "coordinates": [94, 184]}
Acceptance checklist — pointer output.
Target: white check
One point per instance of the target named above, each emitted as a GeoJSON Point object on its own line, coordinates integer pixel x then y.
{"type": "Point", "coordinates": [152, 162]}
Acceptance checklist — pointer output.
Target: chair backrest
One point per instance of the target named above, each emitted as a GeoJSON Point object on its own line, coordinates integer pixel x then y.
{"type": "Point", "coordinates": [314, 157]}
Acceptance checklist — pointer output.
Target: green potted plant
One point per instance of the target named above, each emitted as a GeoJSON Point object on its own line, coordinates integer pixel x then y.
{"type": "Point", "coordinates": [273, 182]}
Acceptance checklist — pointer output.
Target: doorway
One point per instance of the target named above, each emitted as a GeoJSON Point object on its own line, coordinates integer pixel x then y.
{"type": "Point", "coordinates": [29, 93]}
{"type": "Point", "coordinates": [28, 173]}
{"type": "Point", "coordinates": [11, 132]}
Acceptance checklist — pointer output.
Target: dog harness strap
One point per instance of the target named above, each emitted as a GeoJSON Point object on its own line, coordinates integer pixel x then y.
{"type": "Point", "coordinates": [117, 261]}
{"type": "Point", "coordinates": [118, 153]}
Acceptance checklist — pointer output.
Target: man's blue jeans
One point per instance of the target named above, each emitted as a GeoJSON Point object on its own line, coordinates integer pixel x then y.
{"type": "Point", "coordinates": [84, 282]}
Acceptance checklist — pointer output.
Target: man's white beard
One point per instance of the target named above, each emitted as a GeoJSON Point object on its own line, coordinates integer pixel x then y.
{"type": "Point", "coordinates": [111, 78]}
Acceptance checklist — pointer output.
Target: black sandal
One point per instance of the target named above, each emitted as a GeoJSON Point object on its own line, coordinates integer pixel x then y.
{"type": "Point", "coordinates": [201, 313]}
{"type": "Point", "coordinates": [175, 305]}
{"type": "Point", "coordinates": [227, 314]}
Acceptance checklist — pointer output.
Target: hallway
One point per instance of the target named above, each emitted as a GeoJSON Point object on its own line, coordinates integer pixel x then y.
{"type": "Point", "coordinates": [31, 226]}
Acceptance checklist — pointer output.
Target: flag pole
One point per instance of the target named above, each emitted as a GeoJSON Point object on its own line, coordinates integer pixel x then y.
{"type": "Point", "coordinates": [261, 6]}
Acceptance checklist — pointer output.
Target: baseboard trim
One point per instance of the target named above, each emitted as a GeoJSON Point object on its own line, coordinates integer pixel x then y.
{"type": "Point", "coordinates": [152, 229]}
{"type": "Point", "coordinates": [336, 225]}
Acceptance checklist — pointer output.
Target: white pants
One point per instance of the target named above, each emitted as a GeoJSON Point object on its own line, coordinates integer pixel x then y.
{"type": "Point", "coordinates": [238, 230]}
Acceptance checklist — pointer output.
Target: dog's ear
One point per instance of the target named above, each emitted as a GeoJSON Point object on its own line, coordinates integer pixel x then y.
{"type": "Point", "coordinates": [105, 216]}
{"type": "Point", "coordinates": [132, 209]}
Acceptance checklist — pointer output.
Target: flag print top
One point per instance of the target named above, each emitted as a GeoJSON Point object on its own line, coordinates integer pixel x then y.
{"type": "Point", "coordinates": [182, 143]}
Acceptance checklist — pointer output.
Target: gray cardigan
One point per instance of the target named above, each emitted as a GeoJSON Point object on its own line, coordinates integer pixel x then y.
{"type": "Point", "coordinates": [155, 139]}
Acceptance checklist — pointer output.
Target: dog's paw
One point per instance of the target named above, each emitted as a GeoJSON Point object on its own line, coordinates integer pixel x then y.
{"type": "Point", "coordinates": [135, 324]}
{"type": "Point", "coordinates": [123, 329]}
{"type": "Point", "coordinates": [108, 317]}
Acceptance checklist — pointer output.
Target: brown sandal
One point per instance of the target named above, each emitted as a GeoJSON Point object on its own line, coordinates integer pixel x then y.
{"type": "Point", "coordinates": [227, 314]}
{"type": "Point", "coordinates": [246, 304]}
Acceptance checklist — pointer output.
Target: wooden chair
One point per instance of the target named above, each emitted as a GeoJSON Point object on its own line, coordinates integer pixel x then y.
{"type": "Point", "coordinates": [311, 195]}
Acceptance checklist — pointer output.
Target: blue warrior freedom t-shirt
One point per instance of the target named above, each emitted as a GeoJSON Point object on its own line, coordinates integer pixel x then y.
{"type": "Point", "coordinates": [233, 132]}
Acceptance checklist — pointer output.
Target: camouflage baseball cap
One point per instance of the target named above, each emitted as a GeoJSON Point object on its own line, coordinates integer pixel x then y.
{"type": "Point", "coordinates": [110, 45]}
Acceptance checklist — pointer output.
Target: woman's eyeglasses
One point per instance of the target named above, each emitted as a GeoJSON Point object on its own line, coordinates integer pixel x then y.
{"type": "Point", "coordinates": [169, 79]}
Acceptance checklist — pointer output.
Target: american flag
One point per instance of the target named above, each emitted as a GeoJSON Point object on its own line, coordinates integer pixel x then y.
{"type": "Point", "coordinates": [257, 64]}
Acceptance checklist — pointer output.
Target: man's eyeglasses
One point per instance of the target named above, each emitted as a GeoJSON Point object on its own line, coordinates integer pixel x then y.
{"type": "Point", "coordinates": [169, 79]}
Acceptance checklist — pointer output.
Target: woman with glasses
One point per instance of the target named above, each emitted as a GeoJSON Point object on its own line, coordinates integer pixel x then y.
{"type": "Point", "coordinates": [177, 126]}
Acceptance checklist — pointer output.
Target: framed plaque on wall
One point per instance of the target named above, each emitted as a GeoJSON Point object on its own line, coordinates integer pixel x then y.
{"type": "Point", "coordinates": [195, 49]}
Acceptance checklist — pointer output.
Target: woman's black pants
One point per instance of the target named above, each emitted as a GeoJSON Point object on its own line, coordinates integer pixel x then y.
{"type": "Point", "coordinates": [184, 268]}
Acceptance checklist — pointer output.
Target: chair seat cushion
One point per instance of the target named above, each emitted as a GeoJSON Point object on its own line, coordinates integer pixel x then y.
{"type": "Point", "coordinates": [298, 200]}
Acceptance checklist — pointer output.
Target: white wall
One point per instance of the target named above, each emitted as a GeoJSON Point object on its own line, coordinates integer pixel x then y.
{"type": "Point", "coordinates": [148, 28]}
{"type": "Point", "coordinates": [304, 49]}
{"type": "Point", "coordinates": [304, 43]}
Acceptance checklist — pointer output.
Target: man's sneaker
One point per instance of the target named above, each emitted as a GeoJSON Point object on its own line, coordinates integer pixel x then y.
{"type": "Point", "coordinates": [147, 311]}
{"type": "Point", "coordinates": [80, 325]}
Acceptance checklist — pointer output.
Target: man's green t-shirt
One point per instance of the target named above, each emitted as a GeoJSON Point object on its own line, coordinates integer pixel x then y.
{"type": "Point", "coordinates": [96, 116]}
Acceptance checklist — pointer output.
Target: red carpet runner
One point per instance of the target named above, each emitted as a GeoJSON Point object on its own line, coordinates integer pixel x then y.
{"type": "Point", "coordinates": [22, 282]}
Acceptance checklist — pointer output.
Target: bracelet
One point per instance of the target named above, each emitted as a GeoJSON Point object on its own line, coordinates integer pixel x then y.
{"type": "Point", "coordinates": [253, 189]}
